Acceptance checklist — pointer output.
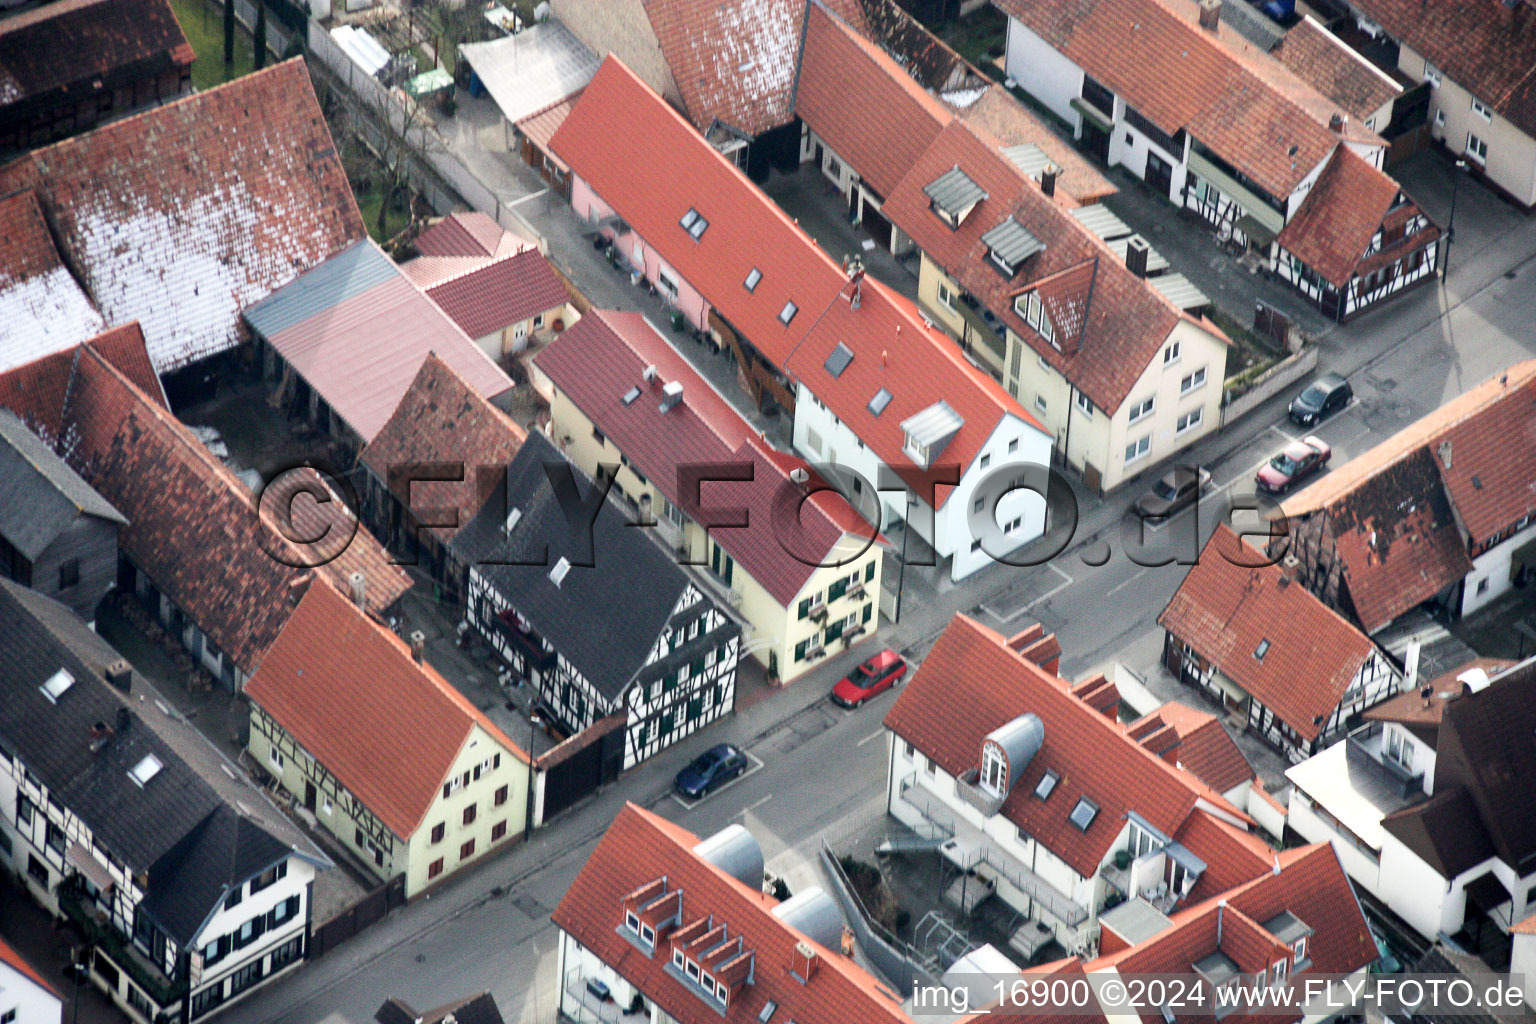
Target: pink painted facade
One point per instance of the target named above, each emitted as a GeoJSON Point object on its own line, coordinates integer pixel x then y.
{"type": "Point", "coordinates": [641, 256]}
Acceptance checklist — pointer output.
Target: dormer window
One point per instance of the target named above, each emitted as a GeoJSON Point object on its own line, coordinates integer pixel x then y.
{"type": "Point", "coordinates": [953, 195]}
{"type": "Point", "coordinates": [994, 770]}
{"type": "Point", "coordinates": [1009, 245]}
{"type": "Point", "coordinates": [678, 960]}
{"type": "Point", "coordinates": [928, 432]}
{"type": "Point", "coordinates": [1032, 310]}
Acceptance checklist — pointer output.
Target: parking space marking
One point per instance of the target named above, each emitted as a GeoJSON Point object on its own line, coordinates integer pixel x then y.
{"type": "Point", "coordinates": [1127, 582]}
{"type": "Point", "coordinates": [755, 767]}
{"type": "Point", "coordinates": [1289, 438]}
{"type": "Point", "coordinates": [524, 199]}
{"type": "Point", "coordinates": [755, 804]}
{"type": "Point", "coordinates": [872, 736]}
{"type": "Point", "coordinates": [1066, 581]}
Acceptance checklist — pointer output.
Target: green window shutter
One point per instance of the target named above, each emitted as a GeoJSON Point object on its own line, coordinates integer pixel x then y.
{"type": "Point", "coordinates": [800, 649]}
{"type": "Point", "coordinates": [868, 610]}
{"type": "Point", "coordinates": [805, 608]}
{"type": "Point", "coordinates": [837, 590]}
{"type": "Point", "coordinates": [869, 572]}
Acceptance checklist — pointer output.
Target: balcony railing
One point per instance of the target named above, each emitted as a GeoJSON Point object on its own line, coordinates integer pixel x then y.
{"type": "Point", "coordinates": [984, 800]}
{"type": "Point", "coordinates": [983, 849]}
{"type": "Point", "coordinates": [112, 944]}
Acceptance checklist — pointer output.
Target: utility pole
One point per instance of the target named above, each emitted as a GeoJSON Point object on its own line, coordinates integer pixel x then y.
{"type": "Point", "coordinates": [1450, 227]}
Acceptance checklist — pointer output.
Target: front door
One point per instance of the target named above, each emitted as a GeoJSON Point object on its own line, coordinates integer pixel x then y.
{"type": "Point", "coordinates": [1096, 140]}
{"type": "Point", "coordinates": [1159, 175]}
{"type": "Point", "coordinates": [309, 795]}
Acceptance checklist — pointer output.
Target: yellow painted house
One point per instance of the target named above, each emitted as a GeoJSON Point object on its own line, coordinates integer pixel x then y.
{"type": "Point", "coordinates": [384, 752]}
{"type": "Point", "coordinates": [794, 560]}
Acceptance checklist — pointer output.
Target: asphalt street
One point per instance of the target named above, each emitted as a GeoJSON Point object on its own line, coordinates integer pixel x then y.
{"type": "Point", "coordinates": [823, 768]}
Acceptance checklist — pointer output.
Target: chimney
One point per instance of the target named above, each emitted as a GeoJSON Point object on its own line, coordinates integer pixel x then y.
{"type": "Point", "coordinates": [297, 586]}
{"type": "Point", "coordinates": [101, 732]}
{"type": "Point", "coordinates": [671, 395]}
{"type": "Point", "coordinates": [805, 962]}
{"type": "Point", "coordinates": [649, 373]}
{"type": "Point", "coordinates": [1221, 905]}
{"type": "Point", "coordinates": [359, 590]}
{"type": "Point", "coordinates": [119, 674]}
{"type": "Point", "coordinates": [418, 646]}
{"type": "Point", "coordinates": [1137, 250]}
{"type": "Point", "coordinates": [1283, 582]}
{"type": "Point", "coordinates": [1210, 14]}
{"type": "Point", "coordinates": [1336, 123]}
{"type": "Point", "coordinates": [1048, 175]}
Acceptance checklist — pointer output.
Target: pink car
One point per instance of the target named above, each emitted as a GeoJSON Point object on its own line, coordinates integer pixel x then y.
{"type": "Point", "coordinates": [1297, 461]}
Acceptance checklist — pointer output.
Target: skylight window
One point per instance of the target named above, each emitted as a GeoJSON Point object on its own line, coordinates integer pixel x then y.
{"type": "Point", "coordinates": [788, 313]}
{"type": "Point", "coordinates": [838, 361]}
{"type": "Point", "coordinates": [630, 396]}
{"type": "Point", "coordinates": [513, 515]}
{"type": "Point", "coordinates": [1047, 785]}
{"type": "Point", "coordinates": [55, 685]}
{"type": "Point", "coordinates": [1261, 650]}
{"type": "Point", "coordinates": [880, 401]}
{"type": "Point", "coordinates": [147, 768]}
{"type": "Point", "coordinates": [766, 1013]}
{"type": "Point", "coordinates": [1083, 814]}
{"type": "Point", "coordinates": [697, 230]}
{"type": "Point", "coordinates": [557, 574]}
{"type": "Point", "coordinates": [694, 223]}
{"type": "Point", "coordinates": [688, 219]}
{"type": "Point", "coordinates": [752, 278]}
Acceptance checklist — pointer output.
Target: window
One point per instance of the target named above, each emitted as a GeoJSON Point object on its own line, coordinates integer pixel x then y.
{"type": "Point", "coordinates": [1481, 109]}
{"type": "Point", "coordinates": [215, 951]}
{"type": "Point", "coordinates": [946, 297]}
{"type": "Point", "coordinates": [250, 931]}
{"type": "Point", "coordinates": [1138, 449]}
{"type": "Point", "coordinates": [1300, 949]}
{"type": "Point", "coordinates": [1261, 650]}
{"type": "Point", "coordinates": [1033, 311]}
{"type": "Point", "coordinates": [1172, 352]}
{"type": "Point", "coordinates": [269, 877]}
{"type": "Point", "coordinates": [1047, 785]}
{"type": "Point", "coordinates": [1192, 381]}
{"type": "Point", "coordinates": [788, 313]}
{"type": "Point", "coordinates": [245, 977]}
{"type": "Point", "coordinates": [693, 223]}
{"type": "Point", "coordinates": [994, 770]}
{"type": "Point", "coordinates": [1013, 446]}
{"type": "Point", "coordinates": [69, 573]}
{"type": "Point", "coordinates": [148, 767]}
{"type": "Point", "coordinates": [1193, 418]}
{"type": "Point", "coordinates": [467, 850]}
{"type": "Point", "coordinates": [235, 896]}
{"type": "Point", "coordinates": [287, 953]}
{"type": "Point", "coordinates": [1482, 586]}
{"type": "Point", "coordinates": [1083, 814]}
{"type": "Point", "coordinates": [1141, 409]}
{"type": "Point", "coordinates": [1477, 149]}
{"type": "Point", "coordinates": [986, 460]}
{"type": "Point", "coordinates": [435, 868]}
{"type": "Point", "coordinates": [753, 276]}
{"type": "Point", "coordinates": [284, 911]}
{"type": "Point", "coordinates": [1040, 402]}
{"type": "Point", "coordinates": [23, 810]}
{"type": "Point", "coordinates": [1439, 119]}
{"type": "Point", "coordinates": [1085, 404]}
{"type": "Point", "coordinates": [1432, 74]}
{"type": "Point", "coordinates": [501, 796]}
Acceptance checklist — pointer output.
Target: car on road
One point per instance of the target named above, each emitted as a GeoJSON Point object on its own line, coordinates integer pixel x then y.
{"type": "Point", "coordinates": [710, 770]}
{"type": "Point", "coordinates": [1323, 397]}
{"type": "Point", "coordinates": [873, 676]}
{"type": "Point", "coordinates": [1296, 461]}
{"type": "Point", "coordinates": [1179, 487]}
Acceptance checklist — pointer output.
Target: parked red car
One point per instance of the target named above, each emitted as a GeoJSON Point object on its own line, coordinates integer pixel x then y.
{"type": "Point", "coordinates": [871, 677]}
{"type": "Point", "coordinates": [1297, 461]}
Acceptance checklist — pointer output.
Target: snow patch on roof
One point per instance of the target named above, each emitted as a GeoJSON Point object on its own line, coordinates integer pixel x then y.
{"type": "Point", "coordinates": [757, 52]}
{"type": "Point", "coordinates": [43, 314]}
{"type": "Point", "coordinates": [960, 99]}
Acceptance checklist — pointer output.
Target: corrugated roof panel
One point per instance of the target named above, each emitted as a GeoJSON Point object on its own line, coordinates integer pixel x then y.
{"type": "Point", "coordinates": [350, 272]}
{"type": "Point", "coordinates": [1012, 242]}
{"type": "Point", "coordinates": [954, 191]}
{"type": "Point", "coordinates": [1102, 221]}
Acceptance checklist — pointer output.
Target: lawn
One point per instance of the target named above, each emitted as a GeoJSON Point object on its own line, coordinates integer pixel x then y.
{"type": "Point", "coordinates": [394, 223]}
{"type": "Point", "coordinates": [204, 26]}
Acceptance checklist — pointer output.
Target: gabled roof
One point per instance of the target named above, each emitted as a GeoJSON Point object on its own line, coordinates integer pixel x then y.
{"type": "Point", "coordinates": [1194, 741]}
{"type": "Point", "coordinates": [997, 113]}
{"type": "Point", "coordinates": [1323, 60]}
{"type": "Point", "coordinates": [1350, 202]}
{"type": "Point", "coordinates": [469, 233]}
{"type": "Point", "coordinates": [164, 826]}
{"type": "Point", "coordinates": [1443, 831]}
{"type": "Point", "coordinates": [192, 523]}
{"type": "Point", "coordinates": [1268, 634]}
{"type": "Point", "coordinates": [38, 392]}
{"type": "Point", "coordinates": [360, 301]}
{"type": "Point", "coordinates": [601, 359]}
{"type": "Point", "coordinates": [442, 421]}
{"type": "Point", "coordinates": [734, 61]}
{"type": "Point", "coordinates": [343, 687]}
{"type": "Point", "coordinates": [592, 615]}
{"type": "Point", "coordinates": [1231, 855]}
{"type": "Point", "coordinates": [641, 847]}
{"type": "Point", "coordinates": [1247, 107]}
{"type": "Point", "coordinates": [237, 190]}
{"type": "Point", "coordinates": [491, 295]}
{"type": "Point", "coordinates": [540, 126]}
{"type": "Point", "coordinates": [41, 304]}
{"type": "Point", "coordinates": [1128, 321]}
{"type": "Point", "coordinates": [18, 963]}
{"type": "Point", "coordinates": [478, 1009]}
{"type": "Point", "coordinates": [876, 121]}
{"type": "Point", "coordinates": [68, 52]}
{"type": "Point", "coordinates": [43, 496]}
{"type": "Point", "coordinates": [1485, 46]}
{"type": "Point", "coordinates": [972, 682]}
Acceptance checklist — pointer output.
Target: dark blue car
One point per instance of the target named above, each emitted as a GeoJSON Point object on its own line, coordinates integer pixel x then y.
{"type": "Point", "coordinates": [715, 766]}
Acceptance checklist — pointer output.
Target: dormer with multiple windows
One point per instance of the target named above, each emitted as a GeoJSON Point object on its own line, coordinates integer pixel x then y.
{"type": "Point", "coordinates": [1033, 311]}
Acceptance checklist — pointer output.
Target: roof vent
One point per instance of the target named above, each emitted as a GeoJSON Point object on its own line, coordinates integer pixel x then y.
{"type": "Point", "coordinates": [557, 574]}
{"type": "Point", "coordinates": [1336, 123]}
{"type": "Point", "coordinates": [418, 647]}
{"type": "Point", "coordinates": [54, 686]}
{"type": "Point", "coordinates": [671, 395]}
{"type": "Point", "coordinates": [1048, 175]}
{"type": "Point", "coordinates": [1137, 252]}
{"type": "Point", "coordinates": [1283, 582]}
{"type": "Point", "coordinates": [147, 768]}
{"type": "Point", "coordinates": [101, 732]}
{"type": "Point", "coordinates": [649, 373]}
{"type": "Point", "coordinates": [799, 474]}
{"type": "Point", "coordinates": [359, 584]}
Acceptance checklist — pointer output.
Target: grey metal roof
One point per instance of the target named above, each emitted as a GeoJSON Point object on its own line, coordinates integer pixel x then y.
{"type": "Point", "coordinates": [1027, 157]}
{"type": "Point", "coordinates": [813, 913]}
{"type": "Point", "coordinates": [954, 192]}
{"type": "Point", "coordinates": [193, 840]}
{"type": "Point", "coordinates": [1021, 739]}
{"type": "Point", "coordinates": [1012, 242]}
{"type": "Point", "coordinates": [537, 67]}
{"type": "Point", "coordinates": [606, 614]}
{"type": "Point", "coordinates": [735, 851]}
{"type": "Point", "coordinates": [1102, 221]}
{"type": "Point", "coordinates": [40, 496]}
{"type": "Point", "coordinates": [349, 273]}
{"type": "Point", "coordinates": [1252, 24]}
{"type": "Point", "coordinates": [1135, 920]}
{"type": "Point", "coordinates": [1287, 927]}
{"type": "Point", "coordinates": [939, 422]}
{"type": "Point", "coordinates": [1180, 291]}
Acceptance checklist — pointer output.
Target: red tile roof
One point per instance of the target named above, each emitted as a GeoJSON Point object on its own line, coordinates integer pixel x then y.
{"type": "Point", "coordinates": [441, 420]}
{"type": "Point", "coordinates": [877, 121]}
{"type": "Point", "coordinates": [641, 847]}
{"type": "Point", "coordinates": [69, 52]}
{"type": "Point", "coordinates": [1129, 321]}
{"type": "Point", "coordinates": [1196, 742]}
{"type": "Point", "coordinates": [1323, 60]}
{"type": "Point", "coordinates": [495, 295]}
{"type": "Point", "coordinates": [1231, 855]}
{"type": "Point", "coordinates": [1310, 884]}
{"type": "Point", "coordinates": [239, 188]}
{"type": "Point", "coordinates": [9, 955]}
{"type": "Point", "coordinates": [972, 682]}
{"type": "Point", "coordinates": [1226, 612]}
{"type": "Point", "coordinates": [1347, 206]}
{"type": "Point", "coordinates": [191, 522]}
{"type": "Point", "coordinates": [342, 686]}
{"type": "Point", "coordinates": [636, 170]}
{"type": "Point", "coordinates": [41, 305]}
{"type": "Point", "coordinates": [601, 358]}
{"type": "Point", "coordinates": [1485, 46]}
{"type": "Point", "coordinates": [539, 127]}
{"type": "Point", "coordinates": [469, 233]}
{"type": "Point", "coordinates": [999, 114]}
{"type": "Point", "coordinates": [1247, 107]}
{"type": "Point", "coordinates": [38, 392]}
